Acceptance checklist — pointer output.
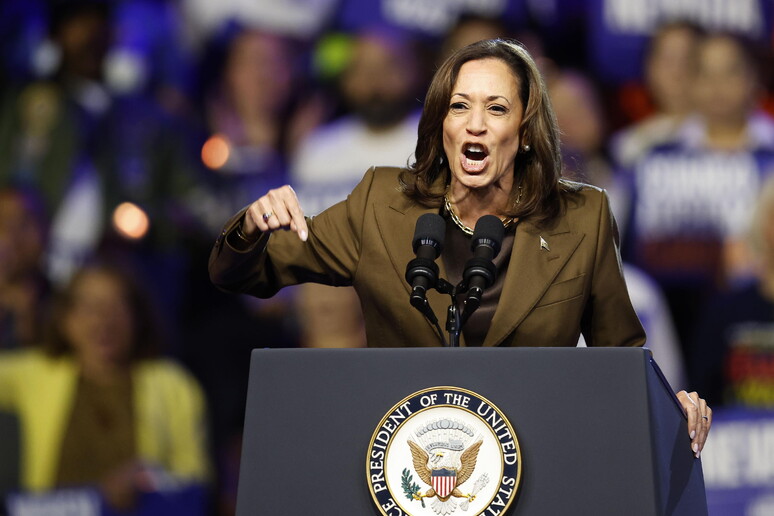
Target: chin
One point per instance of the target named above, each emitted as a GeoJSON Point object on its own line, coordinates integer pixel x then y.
{"type": "Point", "coordinates": [474, 182]}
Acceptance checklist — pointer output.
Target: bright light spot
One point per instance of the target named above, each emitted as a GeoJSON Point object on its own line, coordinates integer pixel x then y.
{"type": "Point", "coordinates": [130, 221]}
{"type": "Point", "coordinates": [215, 151]}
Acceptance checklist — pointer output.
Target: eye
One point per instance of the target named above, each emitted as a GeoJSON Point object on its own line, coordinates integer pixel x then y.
{"type": "Point", "coordinates": [498, 109]}
{"type": "Point", "coordinates": [457, 106]}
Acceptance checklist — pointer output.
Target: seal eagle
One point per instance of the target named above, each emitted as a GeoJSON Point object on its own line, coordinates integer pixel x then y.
{"type": "Point", "coordinates": [425, 465]}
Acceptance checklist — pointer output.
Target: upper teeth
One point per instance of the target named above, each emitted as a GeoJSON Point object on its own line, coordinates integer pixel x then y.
{"type": "Point", "coordinates": [475, 148]}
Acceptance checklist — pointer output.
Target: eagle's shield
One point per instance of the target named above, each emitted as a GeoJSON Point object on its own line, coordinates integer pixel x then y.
{"type": "Point", "coordinates": [444, 481]}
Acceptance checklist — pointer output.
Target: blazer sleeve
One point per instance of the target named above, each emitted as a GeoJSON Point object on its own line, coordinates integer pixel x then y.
{"type": "Point", "coordinates": [609, 318]}
{"type": "Point", "coordinates": [330, 255]}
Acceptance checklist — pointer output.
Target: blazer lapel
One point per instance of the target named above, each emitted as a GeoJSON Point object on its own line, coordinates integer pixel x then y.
{"type": "Point", "coordinates": [531, 270]}
{"type": "Point", "coordinates": [396, 223]}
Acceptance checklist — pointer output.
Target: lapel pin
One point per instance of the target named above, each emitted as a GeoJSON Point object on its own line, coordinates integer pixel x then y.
{"type": "Point", "coordinates": [544, 245]}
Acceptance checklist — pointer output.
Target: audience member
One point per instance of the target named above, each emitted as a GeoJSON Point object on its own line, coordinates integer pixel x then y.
{"type": "Point", "coordinates": [617, 31]}
{"type": "Point", "coordinates": [693, 197]}
{"type": "Point", "coordinates": [249, 116]}
{"type": "Point", "coordinates": [98, 390]}
{"type": "Point", "coordinates": [86, 150]}
{"type": "Point", "coordinates": [46, 125]}
{"type": "Point", "coordinates": [732, 355]}
{"type": "Point", "coordinates": [253, 110]}
{"type": "Point", "coordinates": [380, 86]}
{"type": "Point", "coordinates": [583, 128]}
{"type": "Point", "coordinates": [670, 69]}
{"type": "Point", "coordinates": [92, 119]}
{"type": "Point", "coordinates": [582, 124]}
{"type": "Point", "coordinates": [23, 286]}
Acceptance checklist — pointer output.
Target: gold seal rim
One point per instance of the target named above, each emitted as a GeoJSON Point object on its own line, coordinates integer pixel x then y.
{"type": "Point", "coordinates": [463, 390]}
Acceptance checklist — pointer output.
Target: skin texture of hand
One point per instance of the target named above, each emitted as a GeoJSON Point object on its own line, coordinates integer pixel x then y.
{"type": "Point", "coordinates": [278, 209]}
{"type": "Point", "coordinates": [699, 419]}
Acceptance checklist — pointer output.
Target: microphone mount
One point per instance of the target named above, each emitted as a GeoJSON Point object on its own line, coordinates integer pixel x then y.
{"type": "Point", "coordinates": [480, 273]}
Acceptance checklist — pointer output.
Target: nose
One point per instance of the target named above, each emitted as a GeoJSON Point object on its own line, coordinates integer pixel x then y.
{"type": "Point", "coordinates": [476, 122]}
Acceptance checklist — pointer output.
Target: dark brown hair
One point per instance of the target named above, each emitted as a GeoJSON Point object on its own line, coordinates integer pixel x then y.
{"type": "Point", "coordinates": [146, 330]}
{"type": "Point", "coordinates": [537, 171]}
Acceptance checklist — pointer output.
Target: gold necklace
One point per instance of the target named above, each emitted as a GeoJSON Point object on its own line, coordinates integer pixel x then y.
{"type": "Point", "coordinates": [465, 229]}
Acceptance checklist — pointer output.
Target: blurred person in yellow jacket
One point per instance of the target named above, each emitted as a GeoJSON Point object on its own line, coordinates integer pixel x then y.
{"type": "Point", "coordinates": [96, 405]}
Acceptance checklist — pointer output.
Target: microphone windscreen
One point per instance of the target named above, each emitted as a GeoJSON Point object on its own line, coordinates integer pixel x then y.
{"type": "Point", "coordinates": [430, 226]}
{"type": "Point", "coordinates": [489, 231]}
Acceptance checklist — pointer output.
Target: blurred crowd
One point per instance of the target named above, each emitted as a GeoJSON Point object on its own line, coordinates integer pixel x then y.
{"type": "Point", "coordinates": [131, 130]}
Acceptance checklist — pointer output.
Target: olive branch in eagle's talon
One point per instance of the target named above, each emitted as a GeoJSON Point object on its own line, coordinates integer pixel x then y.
{"type": "Point", "coordinates": [410, 488]}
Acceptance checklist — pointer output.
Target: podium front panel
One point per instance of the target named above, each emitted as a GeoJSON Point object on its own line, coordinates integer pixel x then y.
{"type": "Point", "coordinates": [593, 425]}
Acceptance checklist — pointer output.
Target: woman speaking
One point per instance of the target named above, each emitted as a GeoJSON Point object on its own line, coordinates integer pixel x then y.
{"type": "Point", "coordinates": [488, 144]}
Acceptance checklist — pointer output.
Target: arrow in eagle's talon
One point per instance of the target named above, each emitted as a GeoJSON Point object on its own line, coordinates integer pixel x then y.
{"type": "Point", "coordinates": [482, 481]}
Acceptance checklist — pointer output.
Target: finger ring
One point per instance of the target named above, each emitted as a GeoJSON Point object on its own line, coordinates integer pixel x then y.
{"type": "Point", "coordinates": [705, 418]}
{"type": "Point", "coordinates": [266, 216]}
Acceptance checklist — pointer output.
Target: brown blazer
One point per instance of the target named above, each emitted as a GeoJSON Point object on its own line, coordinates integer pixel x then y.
{"type": "Point", "coordinates": [547, 298]}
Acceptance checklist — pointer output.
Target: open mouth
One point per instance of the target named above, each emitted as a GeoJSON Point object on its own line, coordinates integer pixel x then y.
{"type": "Point", "coordinates": [474, 157]}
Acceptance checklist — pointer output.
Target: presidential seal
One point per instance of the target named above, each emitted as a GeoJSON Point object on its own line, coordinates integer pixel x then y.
{"type": "Point", "coordinates": [441, 451]}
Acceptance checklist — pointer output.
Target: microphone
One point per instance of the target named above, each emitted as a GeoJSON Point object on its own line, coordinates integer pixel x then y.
{"type": "Point", "coordinates": [422, 271]}
{"type": "Point", "coordinates": [480, 273]}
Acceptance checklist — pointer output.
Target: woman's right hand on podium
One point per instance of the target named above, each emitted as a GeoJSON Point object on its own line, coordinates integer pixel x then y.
{"type": "Point", "coordinates": [699, 419]}
{"type": "Point", "coordinates": [278, 209]}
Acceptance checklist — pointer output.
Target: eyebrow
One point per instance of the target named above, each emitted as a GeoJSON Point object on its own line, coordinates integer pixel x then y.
{"type": "Point", "coordinates": [489, 98]}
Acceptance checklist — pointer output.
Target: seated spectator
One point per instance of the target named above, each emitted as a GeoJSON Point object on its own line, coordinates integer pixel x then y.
{"type": "Point", "coordinates": [23, 286]}
{"type": "Point", "coordinates": [694, 197]}
{"type": "Point", "coordinates": [732, 355]}
{"type": "Point", "coordinates": [97, 406]}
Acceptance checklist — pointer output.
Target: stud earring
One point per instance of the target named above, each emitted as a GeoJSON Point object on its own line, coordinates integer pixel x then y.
{"type": "Point", "coordinates": [525, 148]}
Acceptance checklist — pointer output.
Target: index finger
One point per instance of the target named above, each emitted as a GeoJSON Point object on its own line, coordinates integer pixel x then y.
{"type": "Point", "coordinates": [297, 217]}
